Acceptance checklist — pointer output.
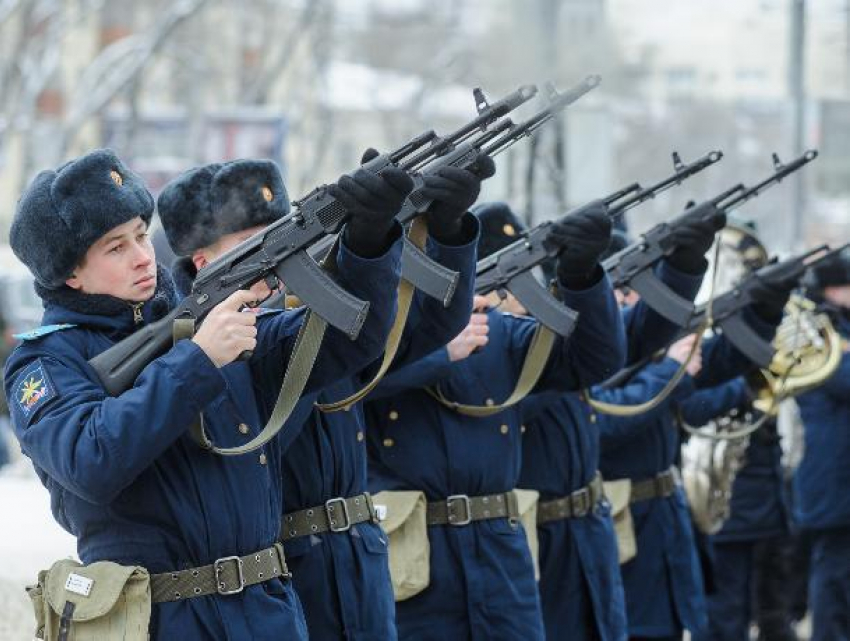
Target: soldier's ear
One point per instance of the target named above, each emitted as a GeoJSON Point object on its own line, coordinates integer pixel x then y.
{"type": "Point", "coordinates": [73, 281]}
{"type": "Point", "coordinates": [199, 259]}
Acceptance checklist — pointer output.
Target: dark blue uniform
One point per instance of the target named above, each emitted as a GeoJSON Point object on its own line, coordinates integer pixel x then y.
{"type": "Point", "coordinates": [580, 584]}
{"type": "Point", "coordinates": [757, 514]}
{"type": "Point", "coordinates": [663, 583]}
{"type": "Point", "coordinates": [482, 577]}
{"type": "Point", "coordinates": [822, 500]}
{"type": "Point", "coordinates": [130, 484]}
{"type": "Point", "coordinates": [343, 579]}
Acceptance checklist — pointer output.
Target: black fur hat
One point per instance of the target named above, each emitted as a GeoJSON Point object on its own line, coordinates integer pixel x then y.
{"type": "Point", "coordinates": [65, 211]}
{"type": "Point", "coordinates": [499, 227]}
{"type": "Point", "coordinates": [833, 272]}
{"type": "Point", "coordinates": [200, 206]}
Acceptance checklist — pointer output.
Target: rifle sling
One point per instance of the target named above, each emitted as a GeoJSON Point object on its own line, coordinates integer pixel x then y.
{"type": "Point", "coordinates": [418, 234]}
{"type": "Point", "coordinates": [532, 368]}
{"type": "Point", "coordinates": [304, 353]}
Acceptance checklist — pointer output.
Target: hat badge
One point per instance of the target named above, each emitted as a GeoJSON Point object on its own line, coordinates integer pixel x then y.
{"type": "Point", "coordinates": [267, 194]}
{"type": "Point", "coordinates": [508, 230]}
{"type": "Point", "coordinates": [116, 177]}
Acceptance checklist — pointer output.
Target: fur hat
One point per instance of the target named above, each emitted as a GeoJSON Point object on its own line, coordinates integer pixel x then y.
{"type": "Point", "coordinates": [500, 227]}
{"type": "Point", "coordinates": [205, 203]}
{"type": "Point", "coordinates": [833, 272]}
{"type": "Point", "coordinates": [63, 212]}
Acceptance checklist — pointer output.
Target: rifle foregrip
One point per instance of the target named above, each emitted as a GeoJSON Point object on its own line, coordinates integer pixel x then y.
{"type": "Point", "coordinates": [120, 365]}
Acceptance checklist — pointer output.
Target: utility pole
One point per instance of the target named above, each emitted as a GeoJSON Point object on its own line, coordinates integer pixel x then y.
{"type": "Point", "coordinates": [796, 87]}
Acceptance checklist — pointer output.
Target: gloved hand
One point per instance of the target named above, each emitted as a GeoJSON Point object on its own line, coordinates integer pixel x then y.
{"type": "Point", "coordinates": [771, 292]}
{"type": "Point", "coordinates": [581, 239]}
{"type": "Point", "coordinates": [373, 202]}
{"type": "Point", "coordinates": [454, 190]}
{"type": "Point", "coordinates": [692, 239]}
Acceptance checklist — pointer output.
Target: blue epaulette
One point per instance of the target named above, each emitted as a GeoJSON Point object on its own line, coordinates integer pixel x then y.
{"type": "Point", "coordinates": [44, 330]}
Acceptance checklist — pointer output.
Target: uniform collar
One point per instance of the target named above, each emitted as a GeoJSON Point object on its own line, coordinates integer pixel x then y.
{"type": "Point", "coordinates": [107, 313]}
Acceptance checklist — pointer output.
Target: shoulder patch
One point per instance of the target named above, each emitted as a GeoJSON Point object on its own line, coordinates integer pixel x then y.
{"type": "Point", "coordinates": [44, 330]}
{"type": "Point", "coordinates": [33, 389]}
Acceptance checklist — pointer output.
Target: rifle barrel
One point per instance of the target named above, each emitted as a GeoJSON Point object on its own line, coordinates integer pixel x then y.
{"type": "Point", "coordinates": [556, 105]}
{"type": "Point", "coordinates": [778, 175]}
{"type": "Point", "coordinates": [681, 174]}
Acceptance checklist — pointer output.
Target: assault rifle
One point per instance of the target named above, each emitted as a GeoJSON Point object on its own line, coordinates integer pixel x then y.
{"type": "Point", "coordinates": [465, 153]}
{"type": "Point", "coordinates": [633, 265]}
{"type": "Point", "coordinates": [727, 311]}
{"type": "Point", "coordinates": [279, 253]}
{"type": "Point", "coordinates": [510, 268]}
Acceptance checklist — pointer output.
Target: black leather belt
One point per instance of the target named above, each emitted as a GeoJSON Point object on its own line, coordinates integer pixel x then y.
{"type": "Point", "coordinates": [460, 509]}
{"type": "Point", "coordinates": [336, 515]}
{"type": "Point", "coordinates": [575, 505]}
{"type": "Point", "coordinates": [659, 486]}
{"type": "Point", "coordinates": [227, 575]}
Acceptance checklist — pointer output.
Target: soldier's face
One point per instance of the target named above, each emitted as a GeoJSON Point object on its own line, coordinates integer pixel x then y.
{"type": "Point", "coordinates": [121, 263]}
{"type": "Point", "coordinates": [838, 295]}
{"type": "Point", "coordinates": [227, 242]}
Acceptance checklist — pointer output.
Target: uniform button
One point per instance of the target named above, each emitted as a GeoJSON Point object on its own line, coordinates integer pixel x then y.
{"type": "Point", "coordinates": [593, 418]}
{"type": "Point", "coordinates": [263, 459]}
{"type": "Point", "coordinates": [522, 429]}
{"type": "Point", "coordinates": [243, 428]}
{"type": "Point", "coordinates": [393, 415]}
{"type": "Point", "coordinates": [504, 429]}
{"type": "Point", "coordinates": [359, 436]}
{"type": "Point", "coordinates": [489, 402]}
{"type": "Point", "coordinates": [388, 442]}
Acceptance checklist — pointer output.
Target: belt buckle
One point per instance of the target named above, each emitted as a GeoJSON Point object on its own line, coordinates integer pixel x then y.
{"type": "Point", "coordinates": [219, 584]}
{"type": "Point", "coordinates": [330, 508]}
{"type": "Point", "coordinates": [467, 507]}
{"type": "Point", "coordinates": [580, 502]}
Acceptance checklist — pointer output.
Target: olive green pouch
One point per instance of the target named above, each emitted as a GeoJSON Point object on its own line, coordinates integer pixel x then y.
{"type": "Point", "coordinates": [409, 550]}
{"type": "Point", "coordinates": [103, 601]}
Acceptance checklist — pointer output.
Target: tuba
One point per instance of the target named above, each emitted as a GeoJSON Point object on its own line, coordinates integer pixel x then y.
{"type": "Point", "coordinates": [808, 351]}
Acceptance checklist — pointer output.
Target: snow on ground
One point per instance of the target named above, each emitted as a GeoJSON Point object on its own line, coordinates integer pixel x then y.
{"type": "Point", "coordinates": [30, 540]}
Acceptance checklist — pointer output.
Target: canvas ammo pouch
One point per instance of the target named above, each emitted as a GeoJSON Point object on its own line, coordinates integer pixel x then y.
{"type": "Point", "coordinates": [527, 503]}
{"type": "Point", "coordinates": [409, 550]}
{"type": "Point", "coordinates": [619, 495]}
{"type": "Point", "coordinates": [103, 601]}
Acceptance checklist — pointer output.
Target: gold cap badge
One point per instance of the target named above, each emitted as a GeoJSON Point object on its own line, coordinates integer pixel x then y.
{"type": "Point", "coordinates": [116, 177]}
{"type": "Point", "coordinates": [267, 194]}
{"type": "Point", "coordinates": [508, 230]}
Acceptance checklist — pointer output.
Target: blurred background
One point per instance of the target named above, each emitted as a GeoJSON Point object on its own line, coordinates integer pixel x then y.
{"type": "Point", "coordinates": [311, 83]}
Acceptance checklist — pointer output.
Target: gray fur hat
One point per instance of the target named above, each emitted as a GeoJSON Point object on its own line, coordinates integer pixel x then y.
{"type": "Point", "coordinates": [200, 206]}
{"type": "Point", "coordinates": [63, 212]}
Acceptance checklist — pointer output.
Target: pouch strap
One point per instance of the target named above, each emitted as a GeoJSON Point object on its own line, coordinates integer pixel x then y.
{"type": "Point", "coordinates": [225, 576]}
{"type": "Point", "coordinates": [65, 620]}
{"type": "Point", "coordinates": [336, 515]}
{"type": "Point", "coordinates": [659, 486]}
{"type": "Point", "coordinates": [574, 505]}
{"type": "Point", "coordinates": [460, 509]}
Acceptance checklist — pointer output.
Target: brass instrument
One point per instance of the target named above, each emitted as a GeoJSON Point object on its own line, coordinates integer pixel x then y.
{"type": "Point", "coordinates": [808, 353]}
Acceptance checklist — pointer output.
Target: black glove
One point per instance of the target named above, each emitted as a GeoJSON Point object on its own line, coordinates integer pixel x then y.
{"type": "Point", "coordinates": [373, 202]}
{"type": "Point", "coordinates": [693, 239]}
{"type": "Point", "coordinates": [453, 190]}
{"type": "Point", "coordinates": [581, 239]}
{"type": "Point", "coordinates": [771, 292]}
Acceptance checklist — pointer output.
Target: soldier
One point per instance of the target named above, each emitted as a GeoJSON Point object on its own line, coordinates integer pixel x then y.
{"type": "Point", "coordinates": [663, 583]}
{"type": "Point", "coordinates": [124, 475]}
{"type": "Point", "coordinates": [821, 499]}
{"type": "Point", "coordinates": [580, 584]}
{"type": "Point", "coordinates": [742, 554]}
{"type": "Point", "coordinates": [334, 546]}
{"type": "Point", "coordinates": [482, 582]}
